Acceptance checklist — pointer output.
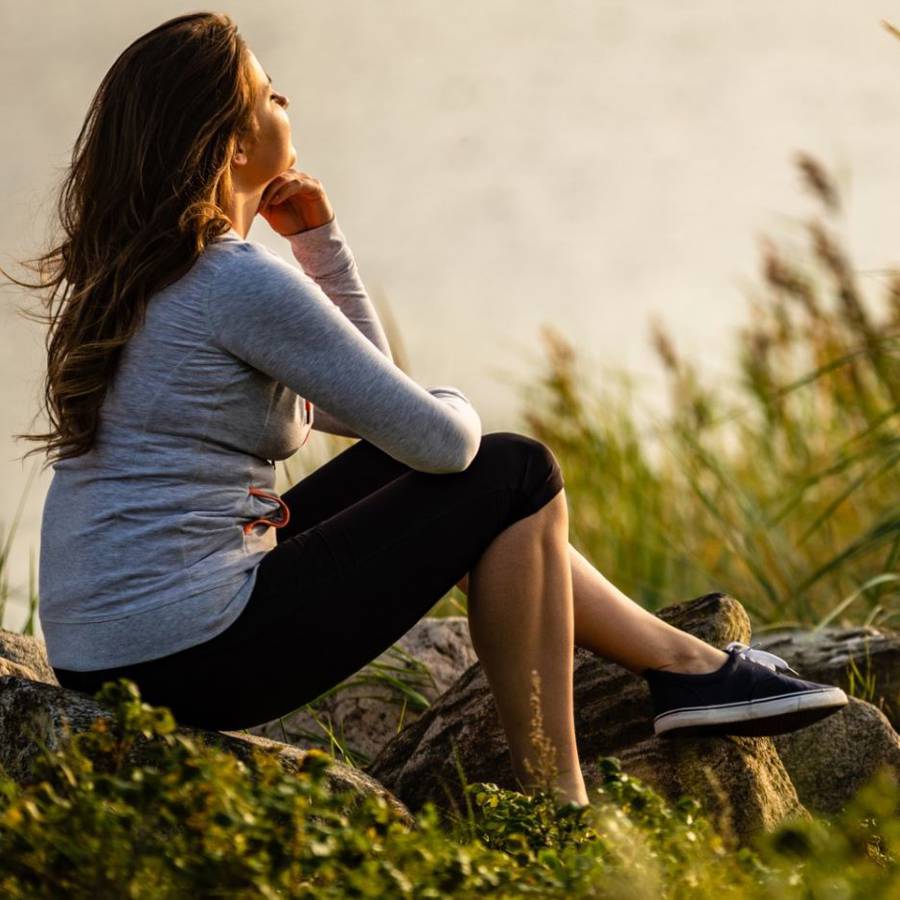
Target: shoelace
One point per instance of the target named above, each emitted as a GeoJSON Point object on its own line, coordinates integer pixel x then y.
{"type": "Point", "coordinates": [763, 657]}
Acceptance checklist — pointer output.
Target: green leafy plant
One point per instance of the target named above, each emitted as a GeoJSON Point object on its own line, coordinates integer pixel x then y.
{"type": "Point", "coordinates": [133, 807]}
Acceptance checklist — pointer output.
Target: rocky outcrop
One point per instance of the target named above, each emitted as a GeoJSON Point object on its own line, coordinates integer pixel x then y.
{"type": "Point", "coordinates": [614, 717]}
{"type": "Point", "coordinates": [27, 651]}
{"type": "Point", "coordinates": [741, 782]}
{"type": "Point", "coordinates": [390, 693]}
{"type": "Point", "coordinates": [33, 714]}
{"type": "Point", "coordinates": [8, 667]}
{"type": "Point", "coordinates": [830, 760]}
{"type": "Point", "coordinates": [864, 661]}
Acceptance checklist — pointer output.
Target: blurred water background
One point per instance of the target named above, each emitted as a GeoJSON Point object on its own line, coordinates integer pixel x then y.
{"type": "Point", "coordinates": [498, 165]}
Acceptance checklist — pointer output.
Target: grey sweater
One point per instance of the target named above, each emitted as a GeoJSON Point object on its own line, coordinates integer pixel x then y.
{"type": "Point", "coordinates": [150, 542]}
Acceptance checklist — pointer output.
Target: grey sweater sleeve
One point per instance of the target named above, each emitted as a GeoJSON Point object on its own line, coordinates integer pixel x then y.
{"type": "Point", "coordinates": [326, 256]}
{"type": "Point", "coordinates": [279, 320]}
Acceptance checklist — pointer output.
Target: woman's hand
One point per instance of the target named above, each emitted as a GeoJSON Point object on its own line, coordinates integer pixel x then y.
{"type": "Point", "coordinates": [293, 202]}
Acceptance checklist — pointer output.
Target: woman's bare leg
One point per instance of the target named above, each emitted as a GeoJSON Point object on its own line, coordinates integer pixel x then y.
{"type": "Point", "coordinates": [609, 623]}
{"type": "Point", "coordinates": [521, 619]}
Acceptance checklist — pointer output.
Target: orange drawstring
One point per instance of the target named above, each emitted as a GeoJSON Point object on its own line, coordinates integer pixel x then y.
{"type": "Point", "coordinates": [259, 492]}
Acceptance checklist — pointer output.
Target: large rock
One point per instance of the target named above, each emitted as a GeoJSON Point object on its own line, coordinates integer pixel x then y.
{"type": "Point", "coordinates": [830, 760]}
{"type": "Point", "coordinates": [840, 656]}
{"type": "Point", "coordinates": [34, 714]}
{"type": "Point", "coordinates": [27, 651]}
{"type": "Point", "coordinates": [388, 694]}
{"type": "Point", "coordinates": [613, 717]}
{"type": "Point", "coordinates": [8, 667]}
{"type": "Point", "coordinates": [740, 781]}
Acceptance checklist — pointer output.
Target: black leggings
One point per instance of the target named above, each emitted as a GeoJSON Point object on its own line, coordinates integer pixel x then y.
{"type": "Point", "coordinates": [371, 546]}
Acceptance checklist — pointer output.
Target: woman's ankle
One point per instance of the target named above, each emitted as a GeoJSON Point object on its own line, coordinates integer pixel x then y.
{"type": "Point", "coordinates": [699, 661]}
{"type": "Point", "coordinates": [571, 792]}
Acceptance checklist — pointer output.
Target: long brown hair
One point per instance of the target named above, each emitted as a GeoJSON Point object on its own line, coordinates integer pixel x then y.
{"type": "Point", "coordinates": [144, 194]}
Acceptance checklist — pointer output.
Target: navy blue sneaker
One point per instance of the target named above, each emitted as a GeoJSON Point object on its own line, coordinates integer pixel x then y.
{"type": "Point", "coordinates": [753, 693]}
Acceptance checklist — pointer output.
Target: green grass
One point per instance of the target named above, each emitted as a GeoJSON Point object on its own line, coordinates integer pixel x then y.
{"type": "Point", "coordinates": [192, 820]}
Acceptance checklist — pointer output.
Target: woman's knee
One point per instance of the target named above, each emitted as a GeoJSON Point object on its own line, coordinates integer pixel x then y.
{"type": "Point", "coordinates": [531, 464]}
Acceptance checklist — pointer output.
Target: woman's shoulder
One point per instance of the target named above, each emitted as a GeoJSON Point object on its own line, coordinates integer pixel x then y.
{"type": "Point", "coordinates": [232, 245]}
{"type": "Point", "coordinates": [237, 253]}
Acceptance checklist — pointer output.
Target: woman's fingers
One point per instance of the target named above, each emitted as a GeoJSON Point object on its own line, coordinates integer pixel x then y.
{"type": "Point", "coordinates": [280, 195]}
{"type": "Point", "coordinates": [276, 190]}
{"type": "Point", "coordinates": [286, 185]}
{"type": "Point", "coordinates": [269, 193]}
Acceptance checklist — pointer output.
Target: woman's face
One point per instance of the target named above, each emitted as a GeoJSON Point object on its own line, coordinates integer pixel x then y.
{"type": "Point", "coordinates": [273, 151]}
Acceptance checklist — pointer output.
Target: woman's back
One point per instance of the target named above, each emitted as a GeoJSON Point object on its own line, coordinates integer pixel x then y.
{"type": "Point", "coordinates": [153, 516]}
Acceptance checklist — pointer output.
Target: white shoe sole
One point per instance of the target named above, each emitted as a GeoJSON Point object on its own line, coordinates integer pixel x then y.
{"type": "Point", "coordinates": [772, 715]}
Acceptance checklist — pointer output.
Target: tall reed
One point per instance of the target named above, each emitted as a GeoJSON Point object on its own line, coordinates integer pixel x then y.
{"type": "Point", "coordinates": [785, 495]}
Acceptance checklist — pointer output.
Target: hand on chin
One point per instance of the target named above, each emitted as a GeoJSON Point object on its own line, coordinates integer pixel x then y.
{"type": "Point", "coordinates": [294, 202]}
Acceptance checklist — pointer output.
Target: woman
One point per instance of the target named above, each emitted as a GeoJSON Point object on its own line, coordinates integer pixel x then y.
{"type": "Point", "coordinates": [186, 359]}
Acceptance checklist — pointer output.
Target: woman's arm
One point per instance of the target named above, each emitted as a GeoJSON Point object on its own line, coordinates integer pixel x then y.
{"type": "Point", "coordinates": [279, 320]}
{"type": "Point", "coordinates": [296, 205]}
{"type": "Point", "coordinates": [324, 421]}
{"type": "Point", "coordinates": [325, 256]}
